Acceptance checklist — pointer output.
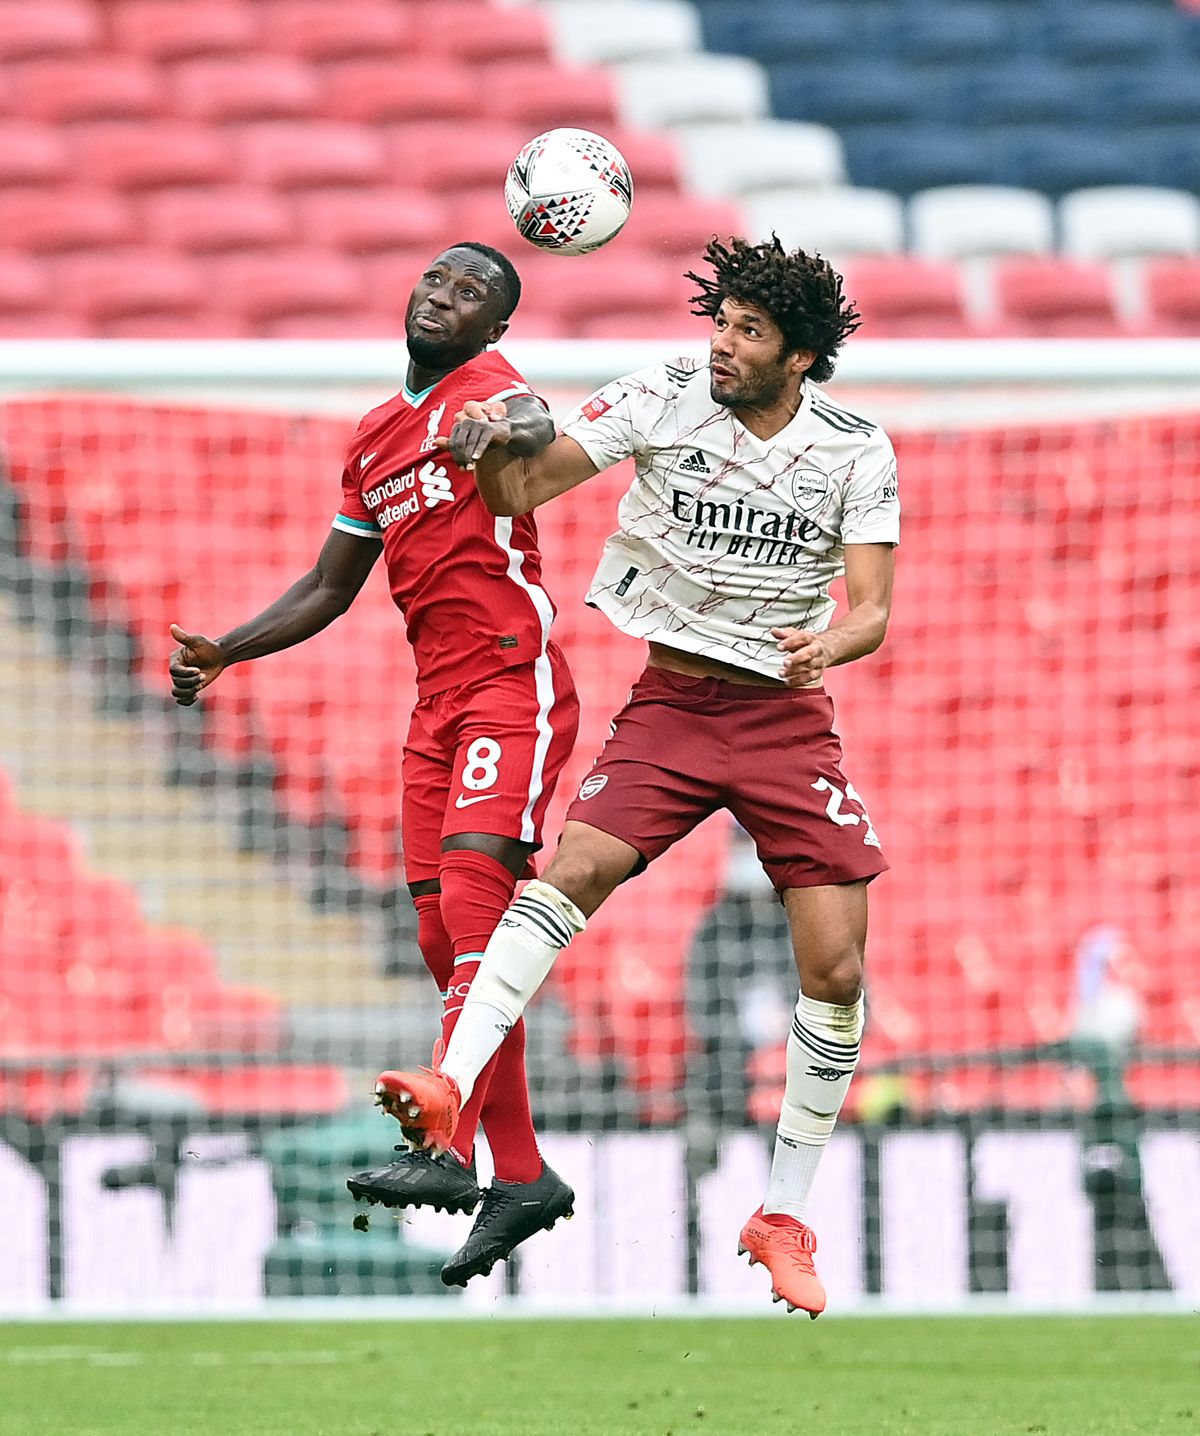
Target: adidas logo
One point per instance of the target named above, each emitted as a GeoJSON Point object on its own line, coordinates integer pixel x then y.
{"type": "Point", "coordinates": [693, 463]}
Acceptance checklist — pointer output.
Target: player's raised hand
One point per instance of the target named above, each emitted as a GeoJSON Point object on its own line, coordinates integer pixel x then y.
{"type": "Point", "coordinates": [193, 665]}
{"type": "Point", "coordinates": [477, 426]}
{"type": "Point", "coordinates": [806, 655]}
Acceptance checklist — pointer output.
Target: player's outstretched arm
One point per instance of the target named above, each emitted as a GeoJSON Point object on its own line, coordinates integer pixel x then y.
{"type": "Point", "coordinates": [518, 462]}
{"type": "Point", "coordinates": [311, 604]}
{"type": "Point", "coordinates": [870, 570]}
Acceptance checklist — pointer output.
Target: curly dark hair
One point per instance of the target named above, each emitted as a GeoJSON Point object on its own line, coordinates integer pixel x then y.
{"type": "Point", "coordinates": [801, 292]}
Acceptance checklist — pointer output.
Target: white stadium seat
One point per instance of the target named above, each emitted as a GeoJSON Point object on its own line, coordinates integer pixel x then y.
{"type": "Point", "coordinates": [760, 154]}
{"type": "Point", "coordinates": [602, 33]}
{"type": "Point", "coordinates": [1125, 221]}
{"type": "Point", "coordinates": [691, 89]}
{"type": "Point", "coordinates": [971, 221]}
{"type": "Point", "coordinates": [838, 223]}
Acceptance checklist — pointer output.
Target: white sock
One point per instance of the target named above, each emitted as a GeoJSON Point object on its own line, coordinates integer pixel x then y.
{"type": "Point", "coordinates": [521, 951]}
{"type": "Point", "coordinates": [822, 1053]}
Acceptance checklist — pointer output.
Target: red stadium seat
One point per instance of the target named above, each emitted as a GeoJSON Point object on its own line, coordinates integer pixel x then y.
{"type": "Point", "coordinates": [23, 283]}
{"type": "Point", "coordinates": [453, 157]}
{"type": "Point", "coordinates": [1172, 293]}
{"type": "Point", "coordinates": [481, 33]}
{"type": "Point", "coordinates": [50, 220]}
{"type": "Point", "coordinates": [124, 282]}
{"type": "Point", "coordinates": [432, 87]}
{"type": "Point", "coordinates": [540, 96]}
{"type": "Point", "coordinates": [168, 153]}
{"type": "Point", "coordinates": [46, 324]}
{"type": "Point", "coordinates": [167, 30]}
{"type": "Point", "coordinates": [50, 27]}
{"type": "Point", "coordinates": [99, 87]}
{"type": "Point", "coordinates": [653, 159]}
{"type": "Point", "coordinates": [345, 324]}
{"type": "Point", "coordinates": [287, 281]}
{"type": "Point", "coordinates": [679, 224]}
{"type": "Point", "coordinates": [31, 154]}
{"type": "Point", "coordinates": [609, 282]}
{"type": "Point", "coordinates": [315, 155]}
{"type": "Point", "coordinates": [531, 322]}
{"type": "Point", "coordinates": [320, 31]}
{"type": "Point", "coordinates": [202, 221]}
{"type": "Point", "coordinates": [482, 214]}
{"type": "Point", "coordinates": [197, 323]}
{"type": "Point", "coordinates": [245, 87]}
{"type": "Point", "coordinates": [367, 220]}
{"type": "Point", "coordinates": [671, 323]}
{"type": "Point", "coordinates": [1051, 296]}
{"type": "Point", "coordinates": [901, 297]}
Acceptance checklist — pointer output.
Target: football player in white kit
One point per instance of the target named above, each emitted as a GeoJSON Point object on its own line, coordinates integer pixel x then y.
{"type": "Point", "coordinates": [753, 492]}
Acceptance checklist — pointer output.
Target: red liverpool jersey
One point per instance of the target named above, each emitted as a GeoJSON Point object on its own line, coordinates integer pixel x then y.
{"type": "Point", "coordinates": [467, 582]}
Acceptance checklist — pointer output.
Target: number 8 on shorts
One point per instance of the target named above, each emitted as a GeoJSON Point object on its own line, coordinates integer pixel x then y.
{"type": "Point", "coordinates": [481, 771]}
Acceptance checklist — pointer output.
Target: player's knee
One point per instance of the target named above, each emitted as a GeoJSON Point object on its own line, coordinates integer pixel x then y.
{"type": "Point", "coordinates": [838, 980]}
{"type": "Point", "coordinates": [586, 872]}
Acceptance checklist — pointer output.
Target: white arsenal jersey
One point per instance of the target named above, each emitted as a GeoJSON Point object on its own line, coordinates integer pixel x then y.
{"type": "Point", "coordinates": [724, 536]}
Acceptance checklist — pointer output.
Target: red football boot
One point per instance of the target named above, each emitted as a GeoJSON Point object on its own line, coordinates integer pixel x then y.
{"type": "Point", "coordinates": [785, 1247]}
{"type": "Point", "coordinates": [426, 1102]}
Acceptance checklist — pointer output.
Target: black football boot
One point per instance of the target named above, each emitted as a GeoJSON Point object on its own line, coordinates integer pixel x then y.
{"type": "Point", "coordinates": [509, 1213]}
{"type": "Point", "coordinates": [419, 1179]}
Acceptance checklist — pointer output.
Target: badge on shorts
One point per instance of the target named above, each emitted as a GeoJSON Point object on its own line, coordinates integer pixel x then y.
{"type": "Point", "coordinates": [809, 487]}
{"type": "Point", "coordinates": [591, 786]}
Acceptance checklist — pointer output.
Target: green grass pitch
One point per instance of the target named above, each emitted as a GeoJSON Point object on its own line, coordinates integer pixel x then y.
{"type": "Point", "coordinates": [1104, 1376]}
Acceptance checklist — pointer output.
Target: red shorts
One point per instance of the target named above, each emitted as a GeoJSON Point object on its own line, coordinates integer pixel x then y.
{"type": "Point", "coordinates": [484, 758]}
{"type": "Point", "coordinates": [683, 747]}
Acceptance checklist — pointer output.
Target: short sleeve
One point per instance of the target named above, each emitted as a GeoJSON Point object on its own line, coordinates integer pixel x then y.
{"type": "Point", "coordinates": [353, 517]}
{"type": "Point", "coordinates": [870, 501]}
{"type": "Point", "coordinates": [612, 425]}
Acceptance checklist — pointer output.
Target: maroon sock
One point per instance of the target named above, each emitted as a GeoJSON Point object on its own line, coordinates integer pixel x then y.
{"type": "Point", "coordinates": [476, 891]}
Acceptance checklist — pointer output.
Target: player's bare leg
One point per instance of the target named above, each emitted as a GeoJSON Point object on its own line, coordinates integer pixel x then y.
{"type": "Point", "coordinates": [829, 928]}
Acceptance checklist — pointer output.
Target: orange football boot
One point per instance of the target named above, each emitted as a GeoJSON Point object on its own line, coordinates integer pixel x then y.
{"type": "Point", "coordinates": [426, 1102]}
{"type": "Point", "coordinates": [785, 1247]}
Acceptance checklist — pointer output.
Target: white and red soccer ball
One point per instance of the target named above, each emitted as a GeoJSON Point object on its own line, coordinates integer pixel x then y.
{"type": "Point", "coordinates": [569, 191]}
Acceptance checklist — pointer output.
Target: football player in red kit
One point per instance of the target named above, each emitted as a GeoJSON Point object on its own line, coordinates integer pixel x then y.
{"type": "Point", "coordinates": [496, 710]}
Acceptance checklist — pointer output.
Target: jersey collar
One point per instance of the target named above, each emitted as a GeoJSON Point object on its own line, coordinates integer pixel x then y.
{"type": "Point", "coordinates": [414, 401]}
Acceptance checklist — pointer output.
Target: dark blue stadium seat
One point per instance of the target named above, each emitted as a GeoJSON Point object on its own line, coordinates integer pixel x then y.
{"type": "Point", "coordinates": [1167, 94]}
{"type": "Point", "coordinates": [1024, 92]}
{"type": "Point", "coordinates": [1110, 32]}
{"type": "Point", "coordinates": [1175, 157]}
{"type": "Point", "coordinates": [1056, 160]}
{"type": "Point", "coordinates": [771, 30]}
{"type": "Point", "coordinates": [847, 93]}
{"type": "Point", "coordinates": [937, 33]}
{"type": "Point", "coordinates": [915, 157]}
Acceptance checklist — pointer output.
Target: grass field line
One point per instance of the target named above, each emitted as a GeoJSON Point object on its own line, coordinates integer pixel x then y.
{"type": "Point", "coordinates": [99, 1356]}
{"type": "Point", "coordinates": [593, 1308]}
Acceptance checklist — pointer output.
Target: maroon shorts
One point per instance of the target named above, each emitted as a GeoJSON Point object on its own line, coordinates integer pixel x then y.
{"type": "Point", "coordinates": [484, 758]}
{"type": "Point", "coordinates": [682, 747]}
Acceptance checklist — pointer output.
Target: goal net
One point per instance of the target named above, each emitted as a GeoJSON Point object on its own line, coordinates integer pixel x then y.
{"type": "Point", "coordinates": [207, 951]}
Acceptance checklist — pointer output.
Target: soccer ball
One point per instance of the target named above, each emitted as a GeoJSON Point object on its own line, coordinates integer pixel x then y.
{"type": "Point", "coordinates": [569, 191]}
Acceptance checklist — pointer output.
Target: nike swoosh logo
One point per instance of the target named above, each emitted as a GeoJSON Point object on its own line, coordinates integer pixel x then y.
{"type": "Point", "coordinates": [366, 459]}
{"type": "Point", "coordinates": [461, 802]}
